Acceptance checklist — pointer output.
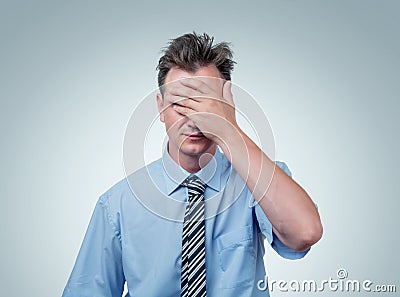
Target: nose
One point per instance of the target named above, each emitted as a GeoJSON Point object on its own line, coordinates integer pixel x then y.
{"type": "Point", "coordinates": [191, 125]}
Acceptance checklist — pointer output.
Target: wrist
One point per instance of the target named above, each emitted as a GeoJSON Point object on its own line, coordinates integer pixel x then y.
{"type": "Point", "coordinates": [233, 139]}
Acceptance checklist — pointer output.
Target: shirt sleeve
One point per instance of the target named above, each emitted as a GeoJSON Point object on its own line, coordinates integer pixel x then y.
{"type": "Point", "coordinates": [98, 267]}
{"type": "Point", "coordinates": [265, 227]}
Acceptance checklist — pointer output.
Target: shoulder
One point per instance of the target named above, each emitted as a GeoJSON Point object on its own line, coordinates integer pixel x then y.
{"type": "Point", "coordinates": [122, 190]}
{"type": "Point", "coordinates": [226, 166]}
{"type": "Point", "coordinates": [119, 189]}
{"type": "Point", "coordinates": [284, 167]}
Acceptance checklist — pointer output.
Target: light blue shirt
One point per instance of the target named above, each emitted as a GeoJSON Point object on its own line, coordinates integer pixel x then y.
{"type": "Point", "coordinates": [135, 235]}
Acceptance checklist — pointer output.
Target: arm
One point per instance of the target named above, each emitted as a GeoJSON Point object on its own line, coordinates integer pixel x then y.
{"type": "Point", "coordinates": [98, 267]}
{"type": "Point", "coordinates": [293, 215]}
{"type": "Point", "coordinates": [291, 211]}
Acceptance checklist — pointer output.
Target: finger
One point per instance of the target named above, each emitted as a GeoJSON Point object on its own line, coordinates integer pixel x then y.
{"type": "Point", "coordinates": [196, 84]}
{"type": "Point", "coordinates": [184, 92]}
{"type": "Point", "coordinates": [183, 110]}
{"type": "Point", "coordinates": [227, 92]}
{"type": "Point", "coordinates": [169, 100]}
{"type": "Point", "coordinates": [185, 102]}
{"type": "Point", "coordinates": [189, 103]}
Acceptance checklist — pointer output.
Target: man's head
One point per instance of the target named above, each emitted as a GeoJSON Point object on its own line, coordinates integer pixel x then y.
{"type": "Point", "coordinates": [192, 51]}
{"type": "Point", "coordinates": [187, 56]}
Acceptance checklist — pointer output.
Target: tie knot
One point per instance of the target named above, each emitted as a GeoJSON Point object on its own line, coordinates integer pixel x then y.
{"type": "Point", "coordinates": [194, 182]}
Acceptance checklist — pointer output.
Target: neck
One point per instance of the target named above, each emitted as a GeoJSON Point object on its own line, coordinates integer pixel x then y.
{"type": "Point", "coordinates": [192, 162]}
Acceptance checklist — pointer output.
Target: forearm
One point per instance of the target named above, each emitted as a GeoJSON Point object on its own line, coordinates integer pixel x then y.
{"type": "Point", "coordinates": [290, 210]}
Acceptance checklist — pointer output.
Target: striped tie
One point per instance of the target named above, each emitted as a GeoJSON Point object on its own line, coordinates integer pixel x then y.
{"type": "Point", "coordinates": [193, 275]}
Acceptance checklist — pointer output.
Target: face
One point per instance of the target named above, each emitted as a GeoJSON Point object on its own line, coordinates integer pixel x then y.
{"type": "Point", "coordinates": [185, 139]}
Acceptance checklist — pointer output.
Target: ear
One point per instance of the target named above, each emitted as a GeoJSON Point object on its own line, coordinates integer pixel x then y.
{"type": "Point", "coordinates": [227, 92]}
{"type": "Point", "coordinates": [160, 106]}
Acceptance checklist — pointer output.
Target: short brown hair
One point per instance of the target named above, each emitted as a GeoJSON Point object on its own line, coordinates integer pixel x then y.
{"type": "Point", "coordinates": [192, 51]}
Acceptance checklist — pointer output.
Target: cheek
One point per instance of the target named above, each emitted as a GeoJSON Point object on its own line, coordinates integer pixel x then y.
{"type": "Point", "coordinates": [173, 120]}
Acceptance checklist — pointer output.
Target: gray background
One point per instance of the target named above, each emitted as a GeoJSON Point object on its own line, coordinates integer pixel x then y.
{"type": "Point", "coordinates": [71, 72]}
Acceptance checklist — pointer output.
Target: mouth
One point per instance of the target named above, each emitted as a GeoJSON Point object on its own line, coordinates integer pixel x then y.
{"type": "Point", "coordinates": [195, 136]}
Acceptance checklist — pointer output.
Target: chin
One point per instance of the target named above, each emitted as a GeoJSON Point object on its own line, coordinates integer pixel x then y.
{"type": "Point", "coordinates": [195, 149]}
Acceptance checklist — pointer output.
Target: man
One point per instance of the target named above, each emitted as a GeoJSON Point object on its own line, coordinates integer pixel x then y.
{"type": "Point", "coordinates": [206, 247]}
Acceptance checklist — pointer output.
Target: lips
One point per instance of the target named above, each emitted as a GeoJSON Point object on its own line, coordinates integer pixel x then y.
{"type": "Point", "coordinates": [197, 135]}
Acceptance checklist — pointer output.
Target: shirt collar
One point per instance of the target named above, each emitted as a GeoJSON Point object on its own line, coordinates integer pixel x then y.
{"type": "Point", "coordinates": [174, 174]}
